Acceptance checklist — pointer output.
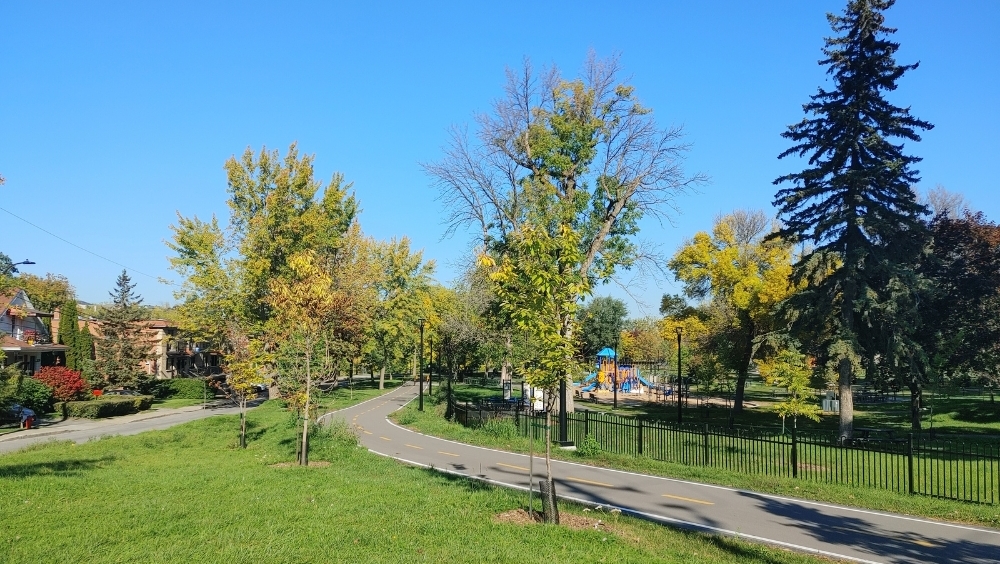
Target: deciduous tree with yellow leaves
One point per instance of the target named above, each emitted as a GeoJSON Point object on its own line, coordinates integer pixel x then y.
{"type": "Point", "coordinates": [746, 276]}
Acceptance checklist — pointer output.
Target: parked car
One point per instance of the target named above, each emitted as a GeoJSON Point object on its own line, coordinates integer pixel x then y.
{"type": "Point", "coordinates": [18, 414]}
{"type": "Point", "coordinates": [121, 392]}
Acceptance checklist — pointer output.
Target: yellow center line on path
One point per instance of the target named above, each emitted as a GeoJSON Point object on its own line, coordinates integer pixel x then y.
{"type": "Point", "coordinates": [925, 543]}
{"type": "Point", "coordinates": [689, 499]}
{"type": "Point", "coordinates": [385, 438]}
{"type": "Point", "coordinates": [512, 466]}
{"type": "Point", "coordinates": [447, 453]}
{"type": "Point", "coordinates": [368, 432]}
{"type": "Point", "coordinates": [415, 446]}
{"type": "Point", "coordinates": [582, 481]}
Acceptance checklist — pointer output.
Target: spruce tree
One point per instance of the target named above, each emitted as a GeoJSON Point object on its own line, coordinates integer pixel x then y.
{"type": "Point", "coordinates": [121, 348]}
{"type": "Point", "coordinates": [69, 334]}
{"type": "Point", "coordinates": [853, 201]}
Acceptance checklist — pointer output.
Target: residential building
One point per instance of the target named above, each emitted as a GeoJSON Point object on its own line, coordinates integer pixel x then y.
{"type": "Point", "coordinates": [170, 355]}
{"type": "Point", "coordinates": [24, 338]}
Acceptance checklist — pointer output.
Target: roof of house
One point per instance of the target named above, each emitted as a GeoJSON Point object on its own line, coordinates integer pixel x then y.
{"type": "Point", "coordinates": [9, 296]}
{"type": "Point", "coordinates": [9, 343]}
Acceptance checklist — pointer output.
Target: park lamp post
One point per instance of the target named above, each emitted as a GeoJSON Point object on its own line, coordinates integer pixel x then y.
{"type": "Point", "coordinates": [13, 267]}
{"type": "Point", "coordinates": [430, 368]}
{"type": "Point", "coordinates": [420, 367]}
{"type": "Point", "coordinates": [680, 331]}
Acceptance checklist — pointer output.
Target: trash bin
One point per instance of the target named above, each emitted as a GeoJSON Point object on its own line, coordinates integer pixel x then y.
{"type": "Point", "coordinates": [29, 422]}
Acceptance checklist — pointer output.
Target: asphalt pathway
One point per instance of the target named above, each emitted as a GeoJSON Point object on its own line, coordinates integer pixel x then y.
{"type": "Point", "coordinates": [820, 528]}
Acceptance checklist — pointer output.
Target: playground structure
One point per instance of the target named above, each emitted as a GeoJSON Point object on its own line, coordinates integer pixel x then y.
{"type": "Point", "coordinates": [608, 371]}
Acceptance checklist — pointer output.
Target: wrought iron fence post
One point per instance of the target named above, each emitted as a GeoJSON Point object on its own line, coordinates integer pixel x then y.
{"type": "Point", "coordinates": [586, 423]}
{"type": "Point", "coordinates": [639, 420]}
{"type": "Point", "coordinates": [795, 454]}
{"type": "Point", "coordinates": [705, 443]}
{"type": "Point", "coordinates": [909, 461]}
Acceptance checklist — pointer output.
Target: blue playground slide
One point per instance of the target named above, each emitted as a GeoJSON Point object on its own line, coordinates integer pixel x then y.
{"type": "Point", "coordinates": [644, 382]}
{"type": "Point", "coordinates": [592, 376]}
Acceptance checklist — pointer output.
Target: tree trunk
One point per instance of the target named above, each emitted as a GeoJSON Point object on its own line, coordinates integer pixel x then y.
{"type": "Point", "coordinates": [744, 367]}
{"type": "Point", "coordinates": [549, 501]}
{"type": "Point", "coordinates": [844, 368]}
{"type": "Point", "coordinates": [381, 378]}
{"type": "Point", "coordinates": [846, 399]}
{"type": "Point", "coordinates": [243, 423]}
{"type": "Point", "coordinates": [305, 419]}
{"type": "Point", "coordinates": [916, 399]}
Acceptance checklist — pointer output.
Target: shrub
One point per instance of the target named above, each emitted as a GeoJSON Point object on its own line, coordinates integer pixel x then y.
{"type": "Point", "coordinates": [108, 406]}
{"type": "Point", "coordinates": [589, 447]}
{"type": "Point", "coordinates": [503, 429]}
{"type": "Point", "coordinates": [66, 384]}
{"type": "Point", "coordinates": [406, 417]}
{"type": "Point", "coordinates": [34, 395]}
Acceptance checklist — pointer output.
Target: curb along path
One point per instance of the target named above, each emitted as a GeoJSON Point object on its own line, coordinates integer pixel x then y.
{"type": "Point", "coordinates": [819, 528]}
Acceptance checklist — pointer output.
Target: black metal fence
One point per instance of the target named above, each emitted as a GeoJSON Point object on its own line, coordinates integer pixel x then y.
{"type": "Point", "coordinates": [965, 471]}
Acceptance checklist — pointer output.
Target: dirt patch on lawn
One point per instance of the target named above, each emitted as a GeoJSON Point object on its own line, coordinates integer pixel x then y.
{"type": "Point", "coordinates": [568, 520]}
{"type": "Point", "coordinates": [313, 464]}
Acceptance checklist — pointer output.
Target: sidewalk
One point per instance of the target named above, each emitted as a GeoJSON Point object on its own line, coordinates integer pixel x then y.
{"type": "Point", "coordinates": [52, 428]}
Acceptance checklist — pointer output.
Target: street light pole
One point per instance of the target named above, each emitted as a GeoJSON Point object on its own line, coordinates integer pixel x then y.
{"type": "Point", "coordinates": [430, 370]}
{"type": "Point", "coordinates": [13, 267]}
{"type": "Point", "coordinates": [420, 366]}
{"type": "Point", "coordinates": [680, 393]}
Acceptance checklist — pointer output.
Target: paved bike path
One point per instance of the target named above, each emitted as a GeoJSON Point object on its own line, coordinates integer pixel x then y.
{"type": "Point", "coordinates": [839, 532]}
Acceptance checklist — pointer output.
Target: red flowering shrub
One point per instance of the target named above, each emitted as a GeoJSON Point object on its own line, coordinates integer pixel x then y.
{"type": "Point", "coordinates": [66, 384]}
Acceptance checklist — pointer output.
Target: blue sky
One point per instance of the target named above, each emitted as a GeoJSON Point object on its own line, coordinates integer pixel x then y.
{"type": "Point", "coordinates": [114, 116]}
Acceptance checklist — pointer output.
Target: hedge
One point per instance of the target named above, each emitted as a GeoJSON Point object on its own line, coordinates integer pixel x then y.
{"type": "Point", "coordinates": [182, 388]}
{"type": "Point", "coordinates": [108, 406]}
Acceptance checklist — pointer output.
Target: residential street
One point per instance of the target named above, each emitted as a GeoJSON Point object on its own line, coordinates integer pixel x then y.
{"type": "Point", "coordinates": [83, 430]}
{"type": "Point", "coordinates": [838, 532]}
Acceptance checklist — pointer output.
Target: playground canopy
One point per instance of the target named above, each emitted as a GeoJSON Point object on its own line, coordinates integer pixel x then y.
{"type": "Point", "coordinates": [606, 352]}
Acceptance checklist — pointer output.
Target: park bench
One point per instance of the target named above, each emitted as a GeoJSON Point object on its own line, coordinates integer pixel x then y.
{"type": "Point", "coordinates": [592, 396]}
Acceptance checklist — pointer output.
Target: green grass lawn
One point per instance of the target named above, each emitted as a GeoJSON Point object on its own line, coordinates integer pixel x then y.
{"type": "Point", "coordinates": [505, 437]}
{"type": "Point", "coordinates": [173, 403]}
{"type": "Point", "coordinates": [188, 495]}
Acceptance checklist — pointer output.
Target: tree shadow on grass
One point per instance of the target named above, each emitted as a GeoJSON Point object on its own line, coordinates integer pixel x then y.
{"type": "Point", "coordinates": [61, 468]}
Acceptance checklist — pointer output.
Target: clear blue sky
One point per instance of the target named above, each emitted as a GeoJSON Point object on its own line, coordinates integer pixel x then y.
{"type": "Point", "coordinates": [116, 115]}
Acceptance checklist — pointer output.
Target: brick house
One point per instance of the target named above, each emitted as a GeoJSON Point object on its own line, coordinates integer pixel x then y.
{"type": "Point", "coordinates": [171, 356]}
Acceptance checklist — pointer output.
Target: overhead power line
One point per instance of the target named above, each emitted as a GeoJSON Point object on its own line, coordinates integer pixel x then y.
{"type": "Point", "coordinates": [126, 267]}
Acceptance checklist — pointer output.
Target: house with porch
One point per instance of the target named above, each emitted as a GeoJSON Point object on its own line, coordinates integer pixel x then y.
{"type": "Point", "coordinates": [24, 338]}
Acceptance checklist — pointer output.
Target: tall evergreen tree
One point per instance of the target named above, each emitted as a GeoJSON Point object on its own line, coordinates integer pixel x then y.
{"type": "Point", "coordinates": [853, 200]}
{"type": "Point", "coordinates": [69, 334]}
{"type": "Point", "coordinates": [84, 346]}
{"type": "Point", "coordinates": [121, 348]}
